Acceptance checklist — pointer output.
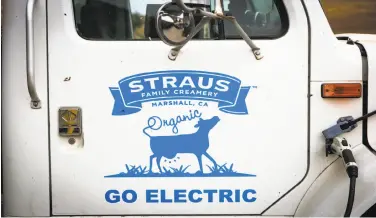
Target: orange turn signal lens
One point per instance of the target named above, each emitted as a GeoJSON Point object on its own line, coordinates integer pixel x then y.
{"type": "Point", "coordinates": [341, 90]}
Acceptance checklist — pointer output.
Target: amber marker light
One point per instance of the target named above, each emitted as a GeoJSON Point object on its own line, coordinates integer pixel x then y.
{"type": "Point", "coordinates": [341, 90]}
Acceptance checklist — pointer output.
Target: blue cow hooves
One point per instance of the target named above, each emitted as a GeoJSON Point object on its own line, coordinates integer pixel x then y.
{"type": "Point", "coordinates": [199, 172]}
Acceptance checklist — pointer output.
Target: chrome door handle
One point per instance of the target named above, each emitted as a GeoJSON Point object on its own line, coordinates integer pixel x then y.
{"type": "Point", "coordinates": [30, 69]}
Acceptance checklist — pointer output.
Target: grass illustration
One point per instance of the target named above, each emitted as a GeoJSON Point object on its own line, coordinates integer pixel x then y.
{"type": "Point", "coordinates": [142, 171]}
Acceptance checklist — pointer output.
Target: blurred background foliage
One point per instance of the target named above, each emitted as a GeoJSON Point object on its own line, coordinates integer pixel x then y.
{"type": "Point", "coordinates": [351, 16]}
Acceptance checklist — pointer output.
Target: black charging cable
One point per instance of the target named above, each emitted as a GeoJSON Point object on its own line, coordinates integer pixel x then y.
{"type": "Point", "coordinates": [350, 200]}
{"type": "Point", "coordinates": [352, 172]}
{"type": "Point", "coordinates": [353, 122]}
{"type": "Point", "coordinates": [341, 147]}
{"type": "Point", "coordinates": [344, 125]}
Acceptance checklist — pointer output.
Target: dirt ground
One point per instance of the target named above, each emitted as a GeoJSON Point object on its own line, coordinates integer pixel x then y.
{"type": "Point", "coordinates": [355, 16]}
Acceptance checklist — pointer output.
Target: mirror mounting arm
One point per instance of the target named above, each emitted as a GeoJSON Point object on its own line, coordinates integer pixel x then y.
{"type": "Point", "coordinates": [207, 16]}
{"type": "Point", "coordinates": [256, 50]}
{"type": "Point", "coordinates": [175, 51]}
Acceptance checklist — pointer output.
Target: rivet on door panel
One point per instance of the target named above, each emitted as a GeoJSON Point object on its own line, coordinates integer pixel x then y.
{"type": "Point", "coordinates": [70, 121]}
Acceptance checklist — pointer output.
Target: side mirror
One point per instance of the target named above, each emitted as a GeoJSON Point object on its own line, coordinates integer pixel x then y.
{"type": "Point", "coordinates": [173, 25]}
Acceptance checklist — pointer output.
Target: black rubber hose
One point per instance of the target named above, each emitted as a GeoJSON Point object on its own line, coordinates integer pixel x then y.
{"type": "Point", "coordinates": [363, 117]}
{"type": "Point", "coordinates": [352, 122]}
{"type": "Point", "coordinates": [350, 200]}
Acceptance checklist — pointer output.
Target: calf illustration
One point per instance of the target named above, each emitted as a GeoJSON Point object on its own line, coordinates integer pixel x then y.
{"type": "Point", "coordinates": [196, 143]}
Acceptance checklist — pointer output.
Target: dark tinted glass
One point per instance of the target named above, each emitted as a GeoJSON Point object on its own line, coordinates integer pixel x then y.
{"type": "Point", "coordinates": [135, 19]}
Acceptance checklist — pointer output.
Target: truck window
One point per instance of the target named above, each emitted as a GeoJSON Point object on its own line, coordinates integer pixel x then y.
{"type": "Point", "coordinates": [122, 19]}
{"type": "Point", "coordinates": [135, 19]}
{"type": "Point", "coordinates": [258, 18]}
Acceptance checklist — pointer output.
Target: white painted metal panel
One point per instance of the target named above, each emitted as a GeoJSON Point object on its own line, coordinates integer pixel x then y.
{"type": "Point", "coordinates": [332, 61]}
{"type": "Point", "coordinates": [329, 193]}
{"type": "Point", "coordinates": [371, 51]}
{"type": "Point", "coordinates": [25, 131]}
{"type": "Point", "coordinates": [269, 158]}
{"type": "Point", "coordinates": [324, 114]}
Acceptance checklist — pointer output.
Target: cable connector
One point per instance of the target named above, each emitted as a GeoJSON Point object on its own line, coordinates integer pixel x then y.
{"type": "Point", "coordinates": [342, 148]}
{"type": "Point", "coordinates": [344, 124]}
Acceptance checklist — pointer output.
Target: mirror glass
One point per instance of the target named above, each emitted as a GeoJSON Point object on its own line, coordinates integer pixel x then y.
{"type": "Point", "coordinates": [173, 25]}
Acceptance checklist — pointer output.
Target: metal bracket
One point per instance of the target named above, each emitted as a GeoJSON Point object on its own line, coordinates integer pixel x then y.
{"type": "Point", "coordinates": [328, 146]}
{"type": "Point", "coordinates": [36, 104]}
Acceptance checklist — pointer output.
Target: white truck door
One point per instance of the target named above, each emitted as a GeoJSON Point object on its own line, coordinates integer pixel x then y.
{"type": "Point", "coordinates": [213, 132]}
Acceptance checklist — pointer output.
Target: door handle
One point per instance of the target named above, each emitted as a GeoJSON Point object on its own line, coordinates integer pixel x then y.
{"type": "Point", "coordinates": [30, 69]}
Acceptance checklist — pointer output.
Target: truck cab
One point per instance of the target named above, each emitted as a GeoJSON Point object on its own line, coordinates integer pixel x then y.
{"type": "Point", "coordinates": [105, 114]}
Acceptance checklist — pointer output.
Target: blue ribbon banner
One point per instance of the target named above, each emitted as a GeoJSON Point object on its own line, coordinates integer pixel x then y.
{"type": "Point", "coordinates": [179, 85]}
